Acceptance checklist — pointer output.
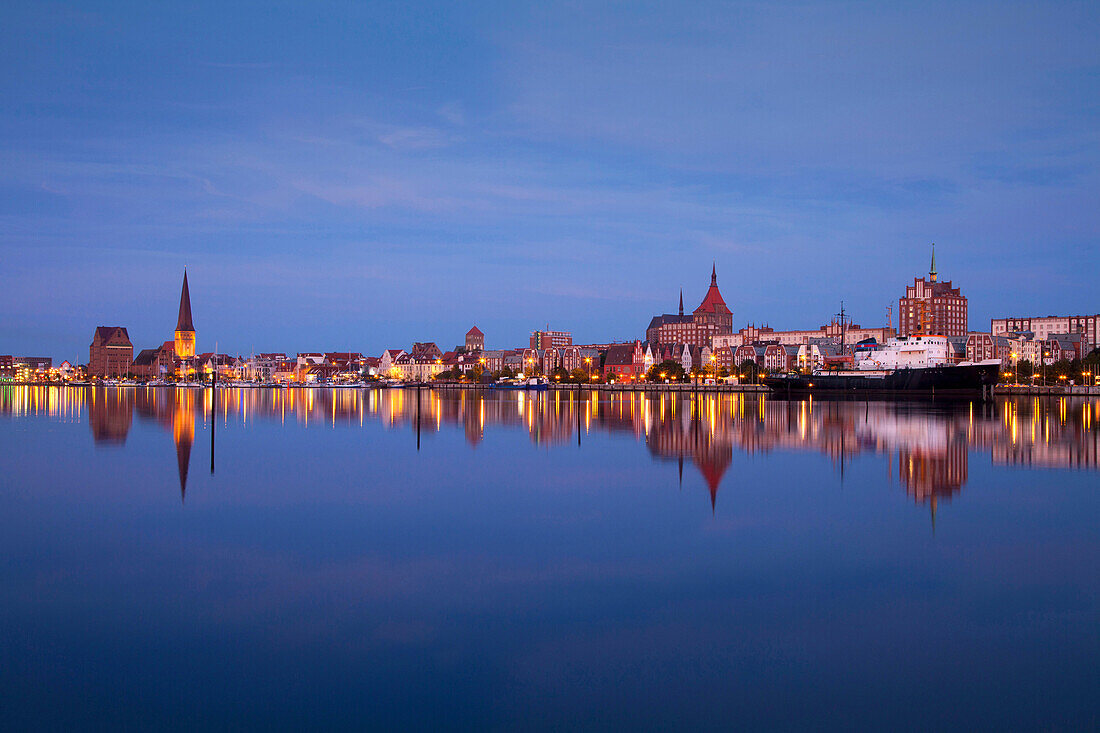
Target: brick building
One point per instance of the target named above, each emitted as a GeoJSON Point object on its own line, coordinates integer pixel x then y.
{"type": "Point", "coordinates": [932, 307]}
{"type": "Point", "coordinates": [712, 318]}
{"type": "Point", "coordinates": [111, 353]}
{"type": "Point", "coordinates": [475, 340]}
{"type": "Point", "coordinates": [548, 339]}
{"type": "Point", "coordinates": [851, 333]}
{"type": "Point", "coordinates": [1046, 326]}
{"type": "Point", "coordinates": [982, 346]}
{"type": "Point", "coordinates": [624, 362]}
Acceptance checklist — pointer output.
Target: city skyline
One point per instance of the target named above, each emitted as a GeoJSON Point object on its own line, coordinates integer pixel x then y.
{"type": "Point", "coordinates": [360, 177]}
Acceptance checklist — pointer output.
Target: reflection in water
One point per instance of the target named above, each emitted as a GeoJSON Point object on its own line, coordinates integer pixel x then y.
{"type": "Point", "coordinates": [929, 443]}
{"type": "Point", "coordinates": [183, 432]}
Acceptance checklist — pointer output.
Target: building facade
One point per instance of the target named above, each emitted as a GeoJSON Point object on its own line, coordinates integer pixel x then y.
{"type": "Point", "coordinates": [475, 340]}
{"type": "Point", "coordinates": [932, 307]}
{"type": "Point", "coordinates": [624, 362]}
{"type": "Point", "coordinates": [1046, 326]}
{"type": "Point", "coordinates": [850, 333]}
{"type": "Point", "coordinates": [111, 353]}
{"type": "Point", "coordinates": [982, 346]}
{"type": "Point", "coordinates": [712, 318]}
{"type": "Point", "coordinates": [548, 339]}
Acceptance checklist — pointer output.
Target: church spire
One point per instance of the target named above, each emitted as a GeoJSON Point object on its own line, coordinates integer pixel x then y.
{"type": "Point", "coordinates": [184, 321]}
{"type": "Point", "coordinates": [681, 301]}
{"type": "Point", "coordinates": [932, 272]}
{"type": "Point", "coordinates": [713, 274]}
{"type": "Point", "coordinates": [185, 329]}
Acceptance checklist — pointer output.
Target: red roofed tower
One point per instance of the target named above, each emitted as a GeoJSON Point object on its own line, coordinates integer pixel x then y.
{"type": "Point", "coordinates": [713, 315]}
{"type": "Point", "coordinates": [475, 340]}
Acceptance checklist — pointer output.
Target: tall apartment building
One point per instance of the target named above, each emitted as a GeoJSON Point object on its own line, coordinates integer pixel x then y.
{"type": "Point", "coordinates": [111, 353]}
{"type": "Point", "coordinates": [932, 307]}
{"type": "Point", "coordinates": [550, 339]}
{"type": "Point", "coordinates": [1046, 326]}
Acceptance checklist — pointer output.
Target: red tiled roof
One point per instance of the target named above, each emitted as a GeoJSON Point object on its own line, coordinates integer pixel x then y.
{"type": "Point", "coordinates": [620, 355]}
{"type": "Point", "coordinates": [107, 332]}
{"type": "Point", "coordinates": [712, 301]}
{"type": "Point", "coordinates": [475, 331]}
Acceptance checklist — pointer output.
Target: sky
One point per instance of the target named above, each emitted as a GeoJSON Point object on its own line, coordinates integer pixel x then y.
{"type": "Point", "coordinates": [362, 175]}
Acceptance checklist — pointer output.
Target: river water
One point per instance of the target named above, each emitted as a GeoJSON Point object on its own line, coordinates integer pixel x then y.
{"type": "Point", "coordinates": [329, 558]}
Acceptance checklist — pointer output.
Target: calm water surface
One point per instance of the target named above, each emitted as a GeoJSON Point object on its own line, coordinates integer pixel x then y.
{"type": "Point", "coordinates": [355, 558]}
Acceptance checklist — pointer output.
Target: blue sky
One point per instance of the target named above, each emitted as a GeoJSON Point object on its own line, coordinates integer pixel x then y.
{"type": "Point", "coordinates": [362, 175]}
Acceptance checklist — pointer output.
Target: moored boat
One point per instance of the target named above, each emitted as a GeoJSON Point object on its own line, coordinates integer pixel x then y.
{"type": "Point", "coordinates": [908, 365]}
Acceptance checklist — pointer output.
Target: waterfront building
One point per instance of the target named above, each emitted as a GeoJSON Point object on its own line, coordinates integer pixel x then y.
{"type": "Point", "coordinates": [286, 370]}
{"type": "Point", "coordinates": [1068, 346]}
{"type": "Point", "coordinates": [261, 367]}
{"type": "Point", "coordinates": [560, 357]}
{"type": "Point", "coordinates": [466, 362]}
{"type": "Point", "coordinates": [475, 340]}
{"type": "Point", "coordinates": [7, 368]}
{"type": "Point", "coordinates": [494, 360]}
{"type": "Point", "coordinates": [185, 330]}
{"type": "Point", "coordinates": [426, 350]}
{"type": "Point", "coordinates": [111, 353]}
{"type": "Point", "coordinates": [723, 359]}
{"type": "Point", "coordinates": [155, 363]}
{"type": "Point", "coordinates": [513, 361]}
{"type": "Point", "coordinates": [388, 361]}
{"type": "Point", "coordinates": [145, 364]}
{"type": "Point", "coordinates": [348, 364]}
{"type": "Point", "coordinates": [712, 318]}
{"type": "Point", "coordinates": [1046, 326]}
{"type": "Point", "coordinates": [624, 362]}
{"type": "Point", "coordinates": [850, 333]}
{"type": "Point", "coordinates": [532, 360]}
{"type": "Point", "coordinates": [932, 307]}
{"type": "Point", "coordinates": [418, 369]}
{"type": "Point", "coordinates": [547, 339]}
{"type": "Point", "coordinates": [33, 368]}
{"type": "Point", "coordinates": [1025, 346]}
{"type": "Point", "coordinates": [981, 346]}
{"type": "Point", "coordinates": [651, 353]}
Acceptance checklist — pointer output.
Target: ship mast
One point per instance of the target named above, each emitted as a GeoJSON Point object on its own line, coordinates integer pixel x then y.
{"type": "Point", "coordinates": [842, 332]}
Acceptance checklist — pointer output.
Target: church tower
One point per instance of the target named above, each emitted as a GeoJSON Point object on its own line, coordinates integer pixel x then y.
{"type": "Point", "coordinates": [185, 330]}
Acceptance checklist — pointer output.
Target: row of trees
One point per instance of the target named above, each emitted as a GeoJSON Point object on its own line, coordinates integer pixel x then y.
{"type": "Point", "coordinates": [673, 371]}
{"type": "Point", "coordinates": [477, 374]}
{"type": "Point", "coordinates": [1079, 371]}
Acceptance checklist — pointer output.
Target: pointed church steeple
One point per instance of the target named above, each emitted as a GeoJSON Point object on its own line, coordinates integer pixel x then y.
{"type": "Point", "coordinates": [184, 321]}
{"type": "Point", "coordinates": [185, 329]}
{"type": "Point", "coordinates": [932, 272]}
{"type": "Point", "coordinates": [713, 275]}
{"type": "Point", "coordinates": [681, 301]}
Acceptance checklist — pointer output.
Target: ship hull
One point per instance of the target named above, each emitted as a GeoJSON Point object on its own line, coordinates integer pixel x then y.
{"type": "Point", "coordinates": [967, 380]}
